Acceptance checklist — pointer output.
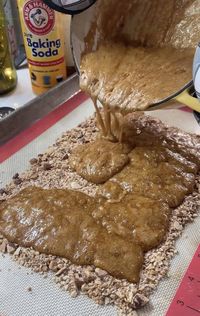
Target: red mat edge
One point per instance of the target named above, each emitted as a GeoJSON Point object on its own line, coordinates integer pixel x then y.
{"type": "Point", "coordinates": [39, 127]}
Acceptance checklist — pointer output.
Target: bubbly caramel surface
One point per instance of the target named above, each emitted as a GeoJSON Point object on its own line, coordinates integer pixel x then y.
{"type": "Point", "coordinates": [151, 173]}
{"type": "Point", "coordinates": [97, 162]}
{"type": "Point", "coordinates": [139, 182]}
{"type": "Point", "coordinates": [139, 53]}
{"type": "Point", "coordinates": [133, 78]}
{"type": "Point", "coordinates": [60, 222]}
{"type": "Point", "coordinates": [145, 23]}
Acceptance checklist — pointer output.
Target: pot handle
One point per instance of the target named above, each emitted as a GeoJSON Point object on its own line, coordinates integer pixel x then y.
{"type": "Point", "coordinates": [186, 99]}
{"type": "Point", "coordinates": [196, 71]}
{"type": "Point", "coordinates": [70, 7]}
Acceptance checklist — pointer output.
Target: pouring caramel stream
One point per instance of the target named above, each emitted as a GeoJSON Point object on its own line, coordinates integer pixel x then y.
{"type": "Point", "coordinates": [139, 53]}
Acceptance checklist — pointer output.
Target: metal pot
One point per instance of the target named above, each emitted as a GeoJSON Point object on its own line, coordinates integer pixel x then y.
{"type": "Point", "coordinates": [80, 26]}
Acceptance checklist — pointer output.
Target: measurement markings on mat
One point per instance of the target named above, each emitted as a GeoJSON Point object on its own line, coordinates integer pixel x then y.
{"type": "Point", "coordinates": [187, 298]}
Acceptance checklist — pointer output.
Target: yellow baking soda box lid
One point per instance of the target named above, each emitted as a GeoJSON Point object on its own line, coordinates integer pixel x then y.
{"type": "Point", "coordinates": [44, 43]}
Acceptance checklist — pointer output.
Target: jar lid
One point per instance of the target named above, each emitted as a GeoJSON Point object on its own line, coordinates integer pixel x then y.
{"type": "Point", "coordinates": [69, 6]}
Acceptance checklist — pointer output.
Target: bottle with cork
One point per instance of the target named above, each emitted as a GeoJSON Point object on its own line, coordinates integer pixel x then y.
{"type": "Point", "coordinates": [43, 35]}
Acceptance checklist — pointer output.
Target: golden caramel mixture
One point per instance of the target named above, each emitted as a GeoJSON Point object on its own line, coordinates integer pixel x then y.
{"type": "Point", "coordinates": [145, 23]}
{"type": "Point", "coordinates": [139, 53]}
{"type": "Point", "coordinates": [135, 217]}
{"type": "Point", "coordinates": [151, 173]}
{"type": "Point", "coordinates": [139, 184]}
{"type": "Point", "coordinates": [133, 78]}
{"type": "Point", "coordinates": [97, 162]}
{"type": "Point", "coordinates": [60, 222]}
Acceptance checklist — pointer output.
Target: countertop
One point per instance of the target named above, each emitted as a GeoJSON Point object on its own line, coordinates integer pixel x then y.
{"type": "Point", "coordinates": [21, 94]}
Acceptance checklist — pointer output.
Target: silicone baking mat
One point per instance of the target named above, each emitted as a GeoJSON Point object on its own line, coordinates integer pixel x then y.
{"type": "Point", "coordinates": [46, 299]}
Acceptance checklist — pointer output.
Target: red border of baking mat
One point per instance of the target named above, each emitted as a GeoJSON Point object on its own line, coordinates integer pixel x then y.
{"type": "Point", "coordinates": [185, 109]}
{"type": "Point", "coordinates": [39, 127]}
{"type": "Point", "coordinates": [186, 301]}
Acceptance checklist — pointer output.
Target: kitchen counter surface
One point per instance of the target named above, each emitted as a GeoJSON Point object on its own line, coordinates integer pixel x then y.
{"type": "Point", "coordinates": [21, 94]}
